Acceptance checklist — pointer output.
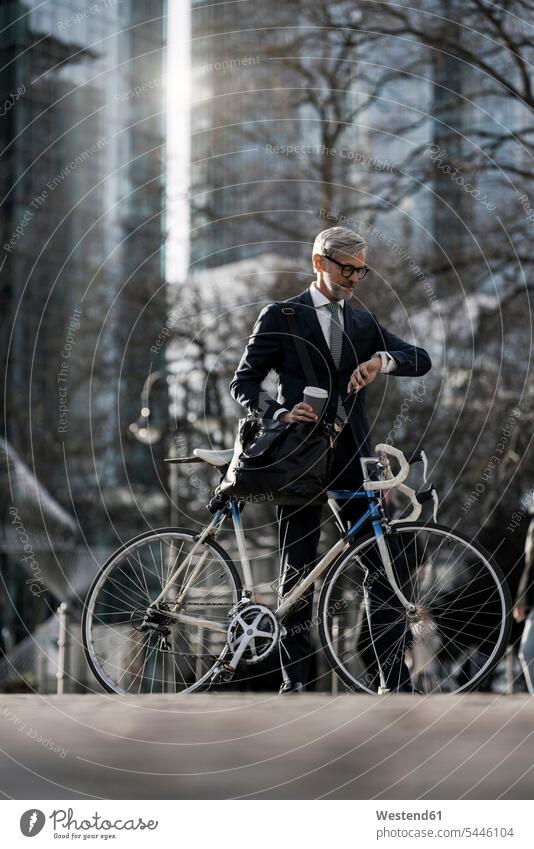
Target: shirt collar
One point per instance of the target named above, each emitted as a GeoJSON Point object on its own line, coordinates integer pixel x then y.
{"type": "Point", "coordinates": [320, 300]}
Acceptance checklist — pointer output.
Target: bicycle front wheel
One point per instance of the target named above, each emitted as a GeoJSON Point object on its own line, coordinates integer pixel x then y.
{"type": "Point", "coordinates": [461, 623]}
{"type": "Point", "coordinates": [133, 645]}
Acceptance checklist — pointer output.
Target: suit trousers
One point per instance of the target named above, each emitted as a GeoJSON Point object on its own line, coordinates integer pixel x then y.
{"type": "Point", "coordinates": [299, 532]}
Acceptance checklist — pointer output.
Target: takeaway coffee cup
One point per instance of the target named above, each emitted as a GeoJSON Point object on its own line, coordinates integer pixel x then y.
{"type": "Point", "coordinates": [315, 397]}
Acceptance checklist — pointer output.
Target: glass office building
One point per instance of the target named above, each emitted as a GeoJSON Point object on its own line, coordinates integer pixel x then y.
{"type": "Point", "coordinates": [83, 301]}
{"type": "Point", "coordinates": [82, 231]}
{"type": "Point", "coordinates": [261, 163]}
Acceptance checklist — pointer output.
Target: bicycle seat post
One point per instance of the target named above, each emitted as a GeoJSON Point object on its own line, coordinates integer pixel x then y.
{"type": "Point", "coordinates": [248, 583]}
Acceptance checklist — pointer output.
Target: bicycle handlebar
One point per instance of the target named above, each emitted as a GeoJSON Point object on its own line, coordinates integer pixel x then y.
{"type": "Point", "coordinates": [397, 479]}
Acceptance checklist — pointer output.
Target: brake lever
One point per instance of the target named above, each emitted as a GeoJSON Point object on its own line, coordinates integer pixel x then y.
{"type": "Point", "coordinates": [424, 458]}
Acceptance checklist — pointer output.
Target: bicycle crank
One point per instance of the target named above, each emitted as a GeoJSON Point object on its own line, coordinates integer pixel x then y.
{"type": "Point", "coordinates": [252, 634]}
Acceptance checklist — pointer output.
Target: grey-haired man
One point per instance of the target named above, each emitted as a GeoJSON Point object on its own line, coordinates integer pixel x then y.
{"type": "Point", "coordinates": [348, 349]}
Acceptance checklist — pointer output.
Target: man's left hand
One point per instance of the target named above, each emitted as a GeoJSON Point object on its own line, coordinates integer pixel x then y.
{"type": "Point", "coordinates": [364, 374]}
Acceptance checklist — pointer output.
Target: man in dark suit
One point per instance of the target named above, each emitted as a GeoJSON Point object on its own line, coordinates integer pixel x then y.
{"type": "Point", "coordinates": [348, 349]}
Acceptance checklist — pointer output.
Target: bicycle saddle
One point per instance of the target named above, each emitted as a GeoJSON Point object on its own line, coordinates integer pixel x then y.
{"type": "Point", "coordinates": [215, 458]}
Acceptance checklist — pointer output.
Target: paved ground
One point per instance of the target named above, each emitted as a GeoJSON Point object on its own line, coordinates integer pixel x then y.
{"type": "Point", "coordinates": [359, 747]}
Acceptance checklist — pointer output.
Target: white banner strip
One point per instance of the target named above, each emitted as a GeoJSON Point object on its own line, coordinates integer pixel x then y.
{"type": "Point", "coordinates": [310, 824]}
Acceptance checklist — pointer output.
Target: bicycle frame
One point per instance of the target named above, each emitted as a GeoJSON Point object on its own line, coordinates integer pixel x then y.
{"type": "Point", "coordinates": [372, 515]}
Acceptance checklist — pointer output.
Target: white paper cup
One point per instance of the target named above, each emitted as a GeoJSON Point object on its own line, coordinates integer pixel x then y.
{"type": "Point", "coordinates": [315, 397]}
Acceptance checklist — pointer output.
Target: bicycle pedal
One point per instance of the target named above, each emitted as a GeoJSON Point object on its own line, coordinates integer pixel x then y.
{"type": "Point", "coordinates": [164, 644]}
{"type": "Point", "coordinates": [223, 675]}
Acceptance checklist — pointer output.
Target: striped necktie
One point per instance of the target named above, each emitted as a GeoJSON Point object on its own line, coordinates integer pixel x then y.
{"type": "Point", "coordinates": [336, 344]}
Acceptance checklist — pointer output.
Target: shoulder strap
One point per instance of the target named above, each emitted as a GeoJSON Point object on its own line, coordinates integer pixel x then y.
{"type": "Point", "coordinates": [302, 351]}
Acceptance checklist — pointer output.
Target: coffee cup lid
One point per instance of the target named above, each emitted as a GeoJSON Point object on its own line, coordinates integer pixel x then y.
{"type": "Point", "coordinates": [315, 392]}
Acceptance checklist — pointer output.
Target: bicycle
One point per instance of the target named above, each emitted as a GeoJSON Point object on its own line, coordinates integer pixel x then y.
{"type": "Point", "coordinates": [169, 612]}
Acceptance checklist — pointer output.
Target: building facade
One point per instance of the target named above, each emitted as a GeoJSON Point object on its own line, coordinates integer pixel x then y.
{"type": "Point", "coordinates": [82, 241]}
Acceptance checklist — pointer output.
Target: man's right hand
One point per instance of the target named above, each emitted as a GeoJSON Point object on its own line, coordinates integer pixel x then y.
{"type": "Point", "coordinates": [300, 413]}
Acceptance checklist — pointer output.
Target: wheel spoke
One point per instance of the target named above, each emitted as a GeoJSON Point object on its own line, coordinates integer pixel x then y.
{"type": "Point", "coordinates": [461, 619]}
{"type": "Point", "coordinates": [123, 654]}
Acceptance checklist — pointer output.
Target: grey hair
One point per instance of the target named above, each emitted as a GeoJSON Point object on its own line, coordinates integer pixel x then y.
{"type": "Point", "coordinates": [339, 240]}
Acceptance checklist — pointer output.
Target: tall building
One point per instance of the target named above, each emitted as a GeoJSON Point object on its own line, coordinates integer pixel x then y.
{"type": "Point", "coordinates": [263, 151]}
{"type": "Point", "coordinates": [82, 296]}
{"type": "Point", "coordinates": [82, 232]}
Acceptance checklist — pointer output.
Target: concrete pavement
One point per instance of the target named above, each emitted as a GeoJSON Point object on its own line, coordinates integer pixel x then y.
{"type": "Point", "coordinates": [266, 746]}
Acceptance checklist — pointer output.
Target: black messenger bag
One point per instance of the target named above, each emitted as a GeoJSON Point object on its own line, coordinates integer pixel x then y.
{"type": "Point", "coordinates": [282, 462]}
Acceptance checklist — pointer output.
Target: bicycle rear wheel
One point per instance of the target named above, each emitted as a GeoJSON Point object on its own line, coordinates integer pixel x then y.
{"type": "Point", "coordinates": [462, 621]}
{"type": "Point", "coordinates": [174, 655]}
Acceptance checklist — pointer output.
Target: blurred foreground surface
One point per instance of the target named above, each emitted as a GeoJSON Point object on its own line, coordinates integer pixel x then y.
{"type": "Point", "coordinates": [310, 746]}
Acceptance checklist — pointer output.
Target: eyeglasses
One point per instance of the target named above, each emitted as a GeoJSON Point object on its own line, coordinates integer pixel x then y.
{"type": "Point", "coordinates": [348, 270]}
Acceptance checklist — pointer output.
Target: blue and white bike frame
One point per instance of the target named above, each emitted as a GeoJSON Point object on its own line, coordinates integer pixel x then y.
{"type": "Point", "coordinates": [373, 514]}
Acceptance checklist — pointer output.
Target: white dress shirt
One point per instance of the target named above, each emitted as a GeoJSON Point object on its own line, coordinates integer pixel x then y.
{"type": "Point", "coordinates": [324, 316]}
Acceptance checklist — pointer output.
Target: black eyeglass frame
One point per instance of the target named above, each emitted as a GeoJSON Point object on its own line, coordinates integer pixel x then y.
{"type": "Point", "coordinates": [361, 271]}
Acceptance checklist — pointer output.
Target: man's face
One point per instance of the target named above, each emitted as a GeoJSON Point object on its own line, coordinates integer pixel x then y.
{"type": "Point", "coordinates": [334, 285]}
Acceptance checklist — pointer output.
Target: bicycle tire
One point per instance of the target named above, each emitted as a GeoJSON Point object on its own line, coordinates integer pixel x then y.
{"type": "Point", "coordinates": [190, 535]}
{"type": "Point", "coordinates": [358, 547]}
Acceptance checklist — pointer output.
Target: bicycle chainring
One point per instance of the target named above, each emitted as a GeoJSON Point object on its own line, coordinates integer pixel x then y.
{"type": "Point", "coordinates": [259, 627]}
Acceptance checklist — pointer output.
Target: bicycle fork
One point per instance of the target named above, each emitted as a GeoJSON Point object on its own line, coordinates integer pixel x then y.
{"type": "Point", "coordinates": [408, 605]}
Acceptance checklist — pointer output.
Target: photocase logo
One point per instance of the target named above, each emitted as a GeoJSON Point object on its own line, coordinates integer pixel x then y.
{"type": "Point", "coordinates": [32, 822]}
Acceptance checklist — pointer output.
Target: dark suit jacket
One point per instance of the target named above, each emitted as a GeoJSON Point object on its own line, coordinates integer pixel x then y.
{"type": "Point", "coordinates": [272, 347]}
